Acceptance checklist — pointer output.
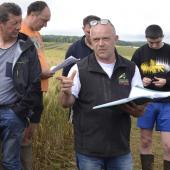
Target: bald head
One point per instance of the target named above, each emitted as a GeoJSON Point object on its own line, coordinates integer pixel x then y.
{"type": "Point", "coordinates": [103, 28]}
{"type": "Point", "coordinates": [103, 39]}
{"type": "Point", "coordinates": [38, 15]}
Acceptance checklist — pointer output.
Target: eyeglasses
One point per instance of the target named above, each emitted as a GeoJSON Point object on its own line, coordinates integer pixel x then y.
{"type": "Point", "coordinates": [102, 22]}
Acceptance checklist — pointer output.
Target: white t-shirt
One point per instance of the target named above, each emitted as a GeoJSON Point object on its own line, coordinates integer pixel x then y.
{"type": "Point", "coordinates": [108, 68]}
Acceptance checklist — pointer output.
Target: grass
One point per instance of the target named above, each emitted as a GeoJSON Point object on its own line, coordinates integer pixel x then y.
{"type": "Point", "coordinates": [126, 51]}
{"type": "Point", "coordinates": [53, 143]}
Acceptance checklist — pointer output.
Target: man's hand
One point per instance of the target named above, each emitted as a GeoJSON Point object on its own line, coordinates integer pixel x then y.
{"type": "Point", "coordinates": [46, 74]}
{"type": "Point", "coordinates": [147, 81]}
{"type": "Point", "coordinates": [66, 83]}
{"type": "Point", "coordinates": [159, 82]}
{"type": "Point", "coordinates": [134, 109]}
{"type": "Point", "coordinates": [65, 96]}
{"type": "Point", "coordinates": [28, 133]}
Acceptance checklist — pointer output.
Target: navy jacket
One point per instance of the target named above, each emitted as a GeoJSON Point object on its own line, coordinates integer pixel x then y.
{"type": "Point", "coordinates": [79, 49]}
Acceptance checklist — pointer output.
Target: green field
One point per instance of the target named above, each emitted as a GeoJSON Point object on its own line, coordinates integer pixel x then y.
{"type": "Point", "coordinates": [53, 142]}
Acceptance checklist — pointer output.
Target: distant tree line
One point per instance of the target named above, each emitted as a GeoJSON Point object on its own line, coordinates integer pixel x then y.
{"type": "Point", "coordinates": [60, 38]}
{"type": "Point", "coordinates": [71, 39]}
{"type": "Point", "coordinates": [131, 43]}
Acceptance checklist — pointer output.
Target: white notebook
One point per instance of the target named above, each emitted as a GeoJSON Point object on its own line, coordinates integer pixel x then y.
{"type": "Point", "coordinates": [138, 95]}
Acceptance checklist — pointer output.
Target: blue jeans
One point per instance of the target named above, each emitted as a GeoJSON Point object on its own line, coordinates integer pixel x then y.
{"type": "Point", "coordinates": [11, 130]}
{"type": "Point", "coordinates": [123, 162]}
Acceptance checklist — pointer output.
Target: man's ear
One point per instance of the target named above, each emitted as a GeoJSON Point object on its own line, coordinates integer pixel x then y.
{"type": "Point", "coordinates": [1, 24]}
{"type": "Point", "coordinates": [33, 14]}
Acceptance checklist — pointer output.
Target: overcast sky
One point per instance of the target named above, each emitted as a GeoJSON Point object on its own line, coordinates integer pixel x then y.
{"type": "Point", "coordinates": [130, 17]}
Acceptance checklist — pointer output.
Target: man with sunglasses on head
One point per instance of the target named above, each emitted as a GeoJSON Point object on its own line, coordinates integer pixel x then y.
{"type": "Point", "coordinates": [82, 47]}
{"type": "Point", "coordinates": [102, 136]}
{"type": "Point", "coordinates": [38, 14]}
{"type": "Point", "coordinates": [153, 60]}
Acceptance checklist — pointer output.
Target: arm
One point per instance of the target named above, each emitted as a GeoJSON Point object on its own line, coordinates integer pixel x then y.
{"type": "Point", "coordinates": [46, 74]}
{"type": "Point", "coordinates": [66, 100]}
{"type": "Point", "coordinates": [35, 73]}
{"type": "Point", "coordinates": [28, 133]}
{"type": "Point", "coordinates": [29, 91]}
{"type": "Point", "coordinates": [35, 92]}
{"type": "Point", "coordinates": [133, 109]}
{"type": "Point", "coordinates": [136, 80]}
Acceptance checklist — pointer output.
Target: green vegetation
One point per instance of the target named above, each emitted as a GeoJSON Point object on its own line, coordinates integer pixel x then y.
{"type": "Point", "coordinates": [60, 38]}
{"type": "Point", "coordinates": [126, 51]}
{"type": "Point", "coordinates": [53, 142]}
{"type": "Point", "coordinates": [71, 39]}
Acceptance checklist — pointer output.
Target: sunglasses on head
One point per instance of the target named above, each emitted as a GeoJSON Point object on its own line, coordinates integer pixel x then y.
{"type": "Point", "coordinates": [102, 22]}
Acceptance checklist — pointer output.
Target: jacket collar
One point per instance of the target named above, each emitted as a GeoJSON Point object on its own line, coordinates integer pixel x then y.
{"type": "Point", "coordinates": [83, 42]}
{"type": "Point", "coordinates": [24, 41]}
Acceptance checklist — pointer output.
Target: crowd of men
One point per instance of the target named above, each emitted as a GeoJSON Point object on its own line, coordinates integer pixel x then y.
{"type": "Point", "coordinates": [102, 136]}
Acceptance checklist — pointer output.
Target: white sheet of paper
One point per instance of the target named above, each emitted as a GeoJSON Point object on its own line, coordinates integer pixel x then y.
{"type": "Point", "coordinates": [136, 93]}
{"type": "Point", "coordinates": [68, 61]}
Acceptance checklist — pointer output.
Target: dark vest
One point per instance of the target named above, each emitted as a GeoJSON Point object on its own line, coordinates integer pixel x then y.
{"type": "Point", "coordinates": [102, 132]}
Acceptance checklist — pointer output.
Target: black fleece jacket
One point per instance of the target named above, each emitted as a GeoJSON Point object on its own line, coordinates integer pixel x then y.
{"type": "Point", "coordinates": [26, 72]}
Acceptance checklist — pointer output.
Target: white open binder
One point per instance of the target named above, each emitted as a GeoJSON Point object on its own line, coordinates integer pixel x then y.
{"type": "Point", "coordinates": [138, 95]}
